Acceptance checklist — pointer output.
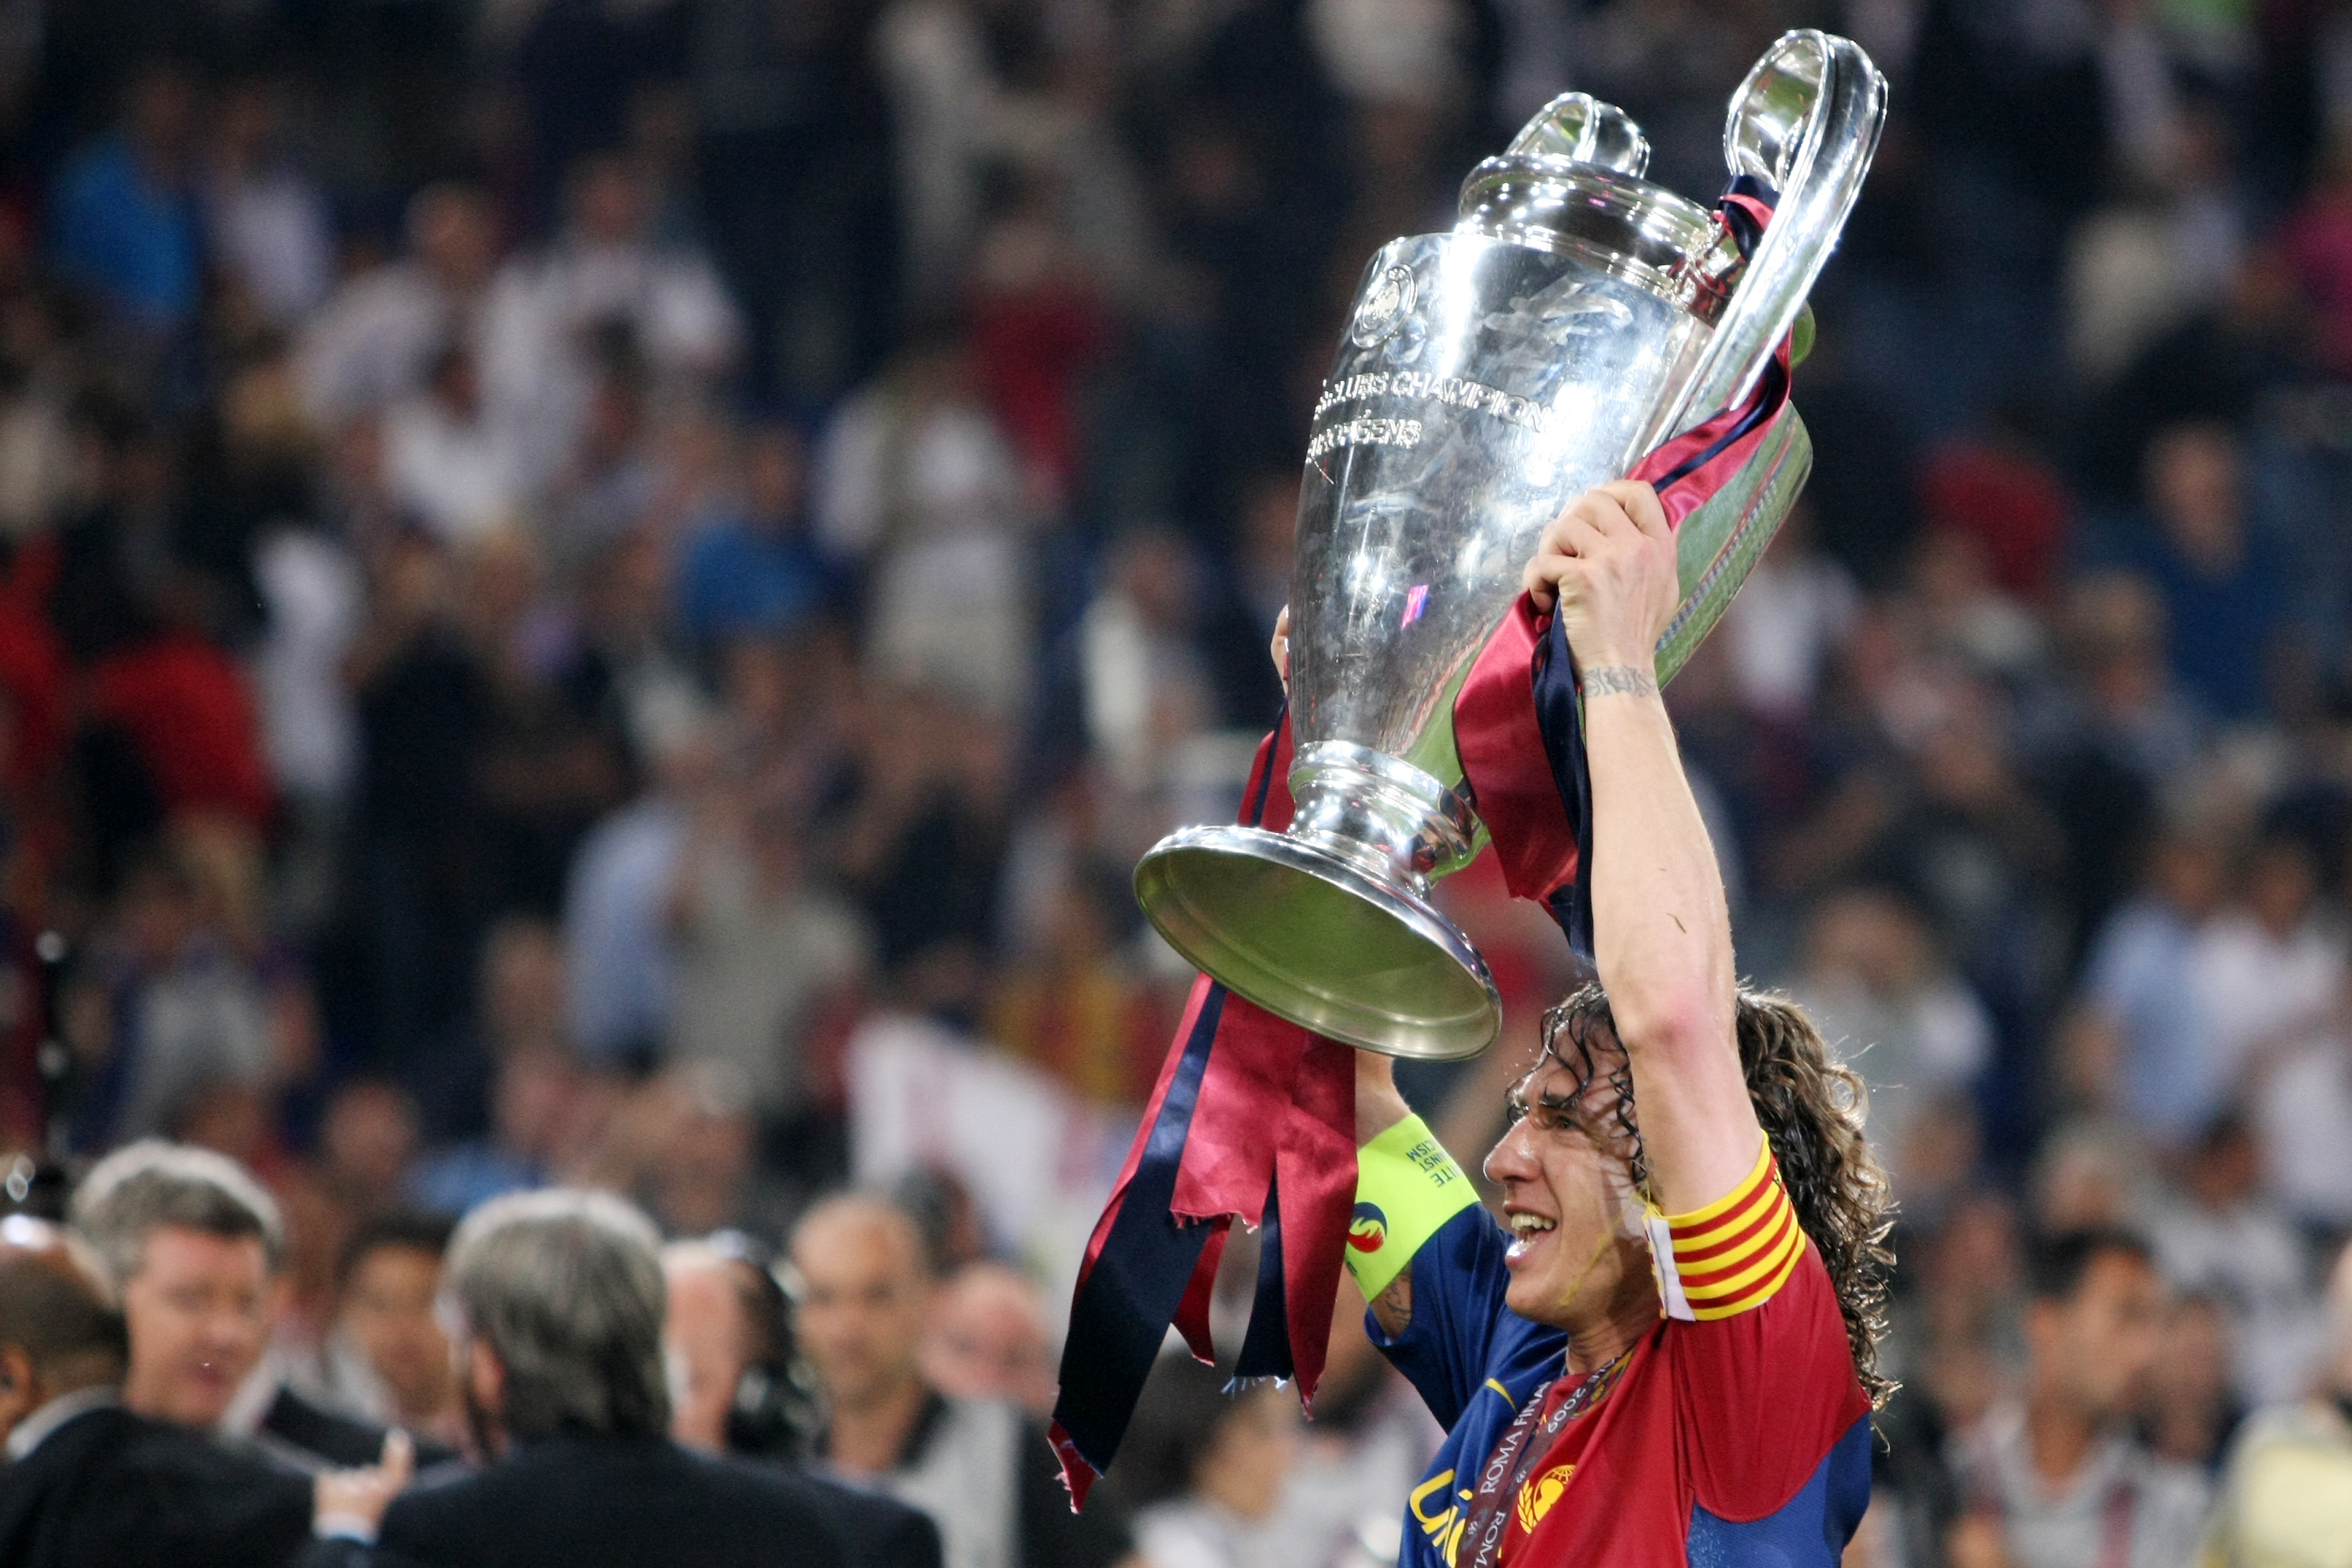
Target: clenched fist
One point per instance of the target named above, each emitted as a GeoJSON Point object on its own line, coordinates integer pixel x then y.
{"type": "Point", "coordinates": [1608, 564]}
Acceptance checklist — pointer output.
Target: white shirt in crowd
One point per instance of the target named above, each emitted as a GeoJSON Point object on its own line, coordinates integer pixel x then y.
{"type": "Point", "coordinates": [2123, 1508]}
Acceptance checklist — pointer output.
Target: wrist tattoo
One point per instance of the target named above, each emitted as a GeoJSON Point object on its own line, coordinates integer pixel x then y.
{"type": "Point", "coordinates": [1620, 680]}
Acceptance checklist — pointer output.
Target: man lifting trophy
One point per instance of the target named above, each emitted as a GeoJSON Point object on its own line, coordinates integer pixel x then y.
{"type": "Point", "coordinates": [1555, 441]}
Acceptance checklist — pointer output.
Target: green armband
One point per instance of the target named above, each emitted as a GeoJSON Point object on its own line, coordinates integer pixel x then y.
{"type": "Point", "coordinates": [1407, 1186]}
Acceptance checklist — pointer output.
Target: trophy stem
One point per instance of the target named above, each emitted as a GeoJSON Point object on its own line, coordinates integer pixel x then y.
{"type": "Point", "coordinates": [1329, 924]}
{"type": "Point", "coordinates": [1397, 824]}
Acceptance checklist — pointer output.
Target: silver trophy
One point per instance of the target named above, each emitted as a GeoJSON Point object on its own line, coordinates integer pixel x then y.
{"type": "Point", "coordinates": [1574, 318]}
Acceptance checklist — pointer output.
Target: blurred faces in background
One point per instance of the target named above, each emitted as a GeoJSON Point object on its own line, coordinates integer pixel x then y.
{"type": "Point", "coordinates": [392, 1276]}
{"type": "Point", "coordinates": [198, 1310]}
{"type": "Point", "coordinates": [866, 1298]}
{"type": "Point", "coordinates": [989, 1338]}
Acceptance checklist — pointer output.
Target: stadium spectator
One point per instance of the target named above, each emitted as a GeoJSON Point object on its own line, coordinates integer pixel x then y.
{"type": "Point", "coordinates": [1215, 1466]}
{"type": "Point", "coordinates": [606, 276]}
{"type": "Point", "coordinates": [980, 1468]}
{"type": "Point", "coordinates": [2107, 741]}
{"type": "Point", "coordinates": [729, 1328]}
{"type": "Point", "coordinates": [685, 1144]}
{"type": "Point", "coordinates": [264, 216]}
{"type": "Point", "coordinates": [762, 949]}
{"type": "Point", "coordinates": [87, 1481]}
{"type": "Point", "coordinates": [557, 1303]}
{"type": "Point", "coordinates": [748, 567]}
{"type": "Point", "coordinates": [444, 463]}
{"type": "Point", "coordinates": [376, 338]}
{"type": "Point", "coordinates": [915, 482]}
{"type": "Point", "coordinates": [1915, 1031]}
{"type": "Point", "coordinates": [618, 959]}
{"type": "Point", "coordinates": [368, 1137]}
{"type": "Point", "coordinates": [2272, 971]}
{"type": "Point", "coordinates": [385, 1358]}
{"type": "Point", "coordinates": [2057, 1479]}
{"type": "Point", "coordinates": [2223, 590]}
{"type": "Point", "coordinates": [2225, 1239]}
{"type": "Point", "coordinates": [174, 1011]}
{"type": "Point", "coordinates": [126, 225]}
{"type": "Point", "coordinates": [533, 1099]}
{"type": "Point", "coordinates": [191, 1243]}
{"type": "Point", "coordinates": [2167, 1070]}
{"type": "Point", "coordinates": [989, 1338]}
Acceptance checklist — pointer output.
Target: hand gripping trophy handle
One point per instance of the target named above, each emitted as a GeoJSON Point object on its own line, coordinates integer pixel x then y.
{"type": "Point", "coordinates": [1575, 318]}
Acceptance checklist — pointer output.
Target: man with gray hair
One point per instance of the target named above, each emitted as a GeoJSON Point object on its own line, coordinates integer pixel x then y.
{"type": "Point", "coordinates": [191, 1243]}
{"type": "Point", "coordinates": [87, 1482]}
{"type": "Point", "coordinates": [554, 1302]}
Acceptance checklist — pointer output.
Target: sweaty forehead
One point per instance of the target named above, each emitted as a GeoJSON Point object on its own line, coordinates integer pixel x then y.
{"type": "Point", "coordinates": [1552, 1082]}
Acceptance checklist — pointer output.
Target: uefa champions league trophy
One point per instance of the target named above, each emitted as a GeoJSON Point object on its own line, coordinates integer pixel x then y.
{"type": "Point", "coordinates": [1576, 317]}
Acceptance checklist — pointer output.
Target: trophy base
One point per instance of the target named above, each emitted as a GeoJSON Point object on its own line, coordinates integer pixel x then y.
{"type": "Point", "coordinates": [1310, 936]}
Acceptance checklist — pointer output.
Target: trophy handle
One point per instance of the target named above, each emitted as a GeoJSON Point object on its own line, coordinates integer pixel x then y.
{"type": "Point", "coordinates": [1806, 122]}
{"type": "Point", "coordinates": [1583, 130]}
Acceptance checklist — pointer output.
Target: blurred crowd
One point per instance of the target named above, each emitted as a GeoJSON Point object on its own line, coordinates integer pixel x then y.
{"type": "Point", "coordinates": [604, 592]}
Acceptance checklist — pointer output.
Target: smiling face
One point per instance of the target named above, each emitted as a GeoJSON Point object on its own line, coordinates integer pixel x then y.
{"type": "Point", "coordinates": [198, 1311]}
{"type": "Point", "coordinates": [1565, 1168]}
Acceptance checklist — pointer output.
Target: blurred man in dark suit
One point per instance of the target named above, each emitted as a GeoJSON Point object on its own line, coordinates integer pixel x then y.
{"type": "Point", "coordinates": [554, 1301]}
{"type": "Point", "coordinates": [190, 1242]}
{"type": "Point", "coordinates": [729, 1332]}
{"type": "Point", "coordinates": [90, 1485]}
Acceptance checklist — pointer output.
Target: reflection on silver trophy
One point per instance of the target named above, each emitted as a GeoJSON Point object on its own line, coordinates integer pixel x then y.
{"type": "Point", "coordinates": [1574, 318]}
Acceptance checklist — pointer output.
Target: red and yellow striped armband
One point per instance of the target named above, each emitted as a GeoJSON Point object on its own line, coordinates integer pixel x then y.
{"type": "Point", "coordinates": [1732, 1256]}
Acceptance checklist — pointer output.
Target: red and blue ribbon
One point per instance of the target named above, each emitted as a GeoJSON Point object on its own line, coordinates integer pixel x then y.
{"type": "Point", "coordinates": [1253, 1118]}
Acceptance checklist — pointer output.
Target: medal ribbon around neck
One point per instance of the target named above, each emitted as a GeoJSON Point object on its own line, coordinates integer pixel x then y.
{"type": "Point", "coordinates": [1528, 1439]}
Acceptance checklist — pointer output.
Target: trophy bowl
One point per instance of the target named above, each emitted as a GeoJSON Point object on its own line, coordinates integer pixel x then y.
{"type": "Point", "coordinates": [1574, 318]}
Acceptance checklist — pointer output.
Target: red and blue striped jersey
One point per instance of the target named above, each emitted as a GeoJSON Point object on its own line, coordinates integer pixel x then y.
{"type": "Point", "coordinates": [1737, 1434]}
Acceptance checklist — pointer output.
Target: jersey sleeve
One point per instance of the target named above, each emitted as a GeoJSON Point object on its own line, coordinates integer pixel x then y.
{"type": "Point", "coordinates": [1458, 1280]}
{"type": "Point", "coordinates": [1764, 1378]}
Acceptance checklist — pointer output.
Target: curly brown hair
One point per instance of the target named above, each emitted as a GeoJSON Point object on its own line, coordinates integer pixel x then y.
{"type": "Point", "coordinates": [1811, 1107]}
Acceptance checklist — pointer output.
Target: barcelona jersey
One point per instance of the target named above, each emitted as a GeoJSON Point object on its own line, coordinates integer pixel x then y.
{"type": "Point", "coordinates": [1737, 1433]}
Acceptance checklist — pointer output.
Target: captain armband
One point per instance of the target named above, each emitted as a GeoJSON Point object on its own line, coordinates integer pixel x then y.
{"type": "Point", "coordinates": [1407, 1187]}
{"type": "Point", "coordinates": [1732, 1256]}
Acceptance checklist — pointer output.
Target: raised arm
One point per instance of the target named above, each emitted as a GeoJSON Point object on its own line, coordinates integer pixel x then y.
{"type": "Point", "coordinates": [1661, 928]}
{"type": "Point", "coordinates": [1380, 1107]}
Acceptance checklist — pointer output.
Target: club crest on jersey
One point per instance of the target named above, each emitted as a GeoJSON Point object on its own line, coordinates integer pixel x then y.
{"type": "Point", "coordinates": [1368, 1228]}
{"type": "Point", "coordinates": [1536, 1497]}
